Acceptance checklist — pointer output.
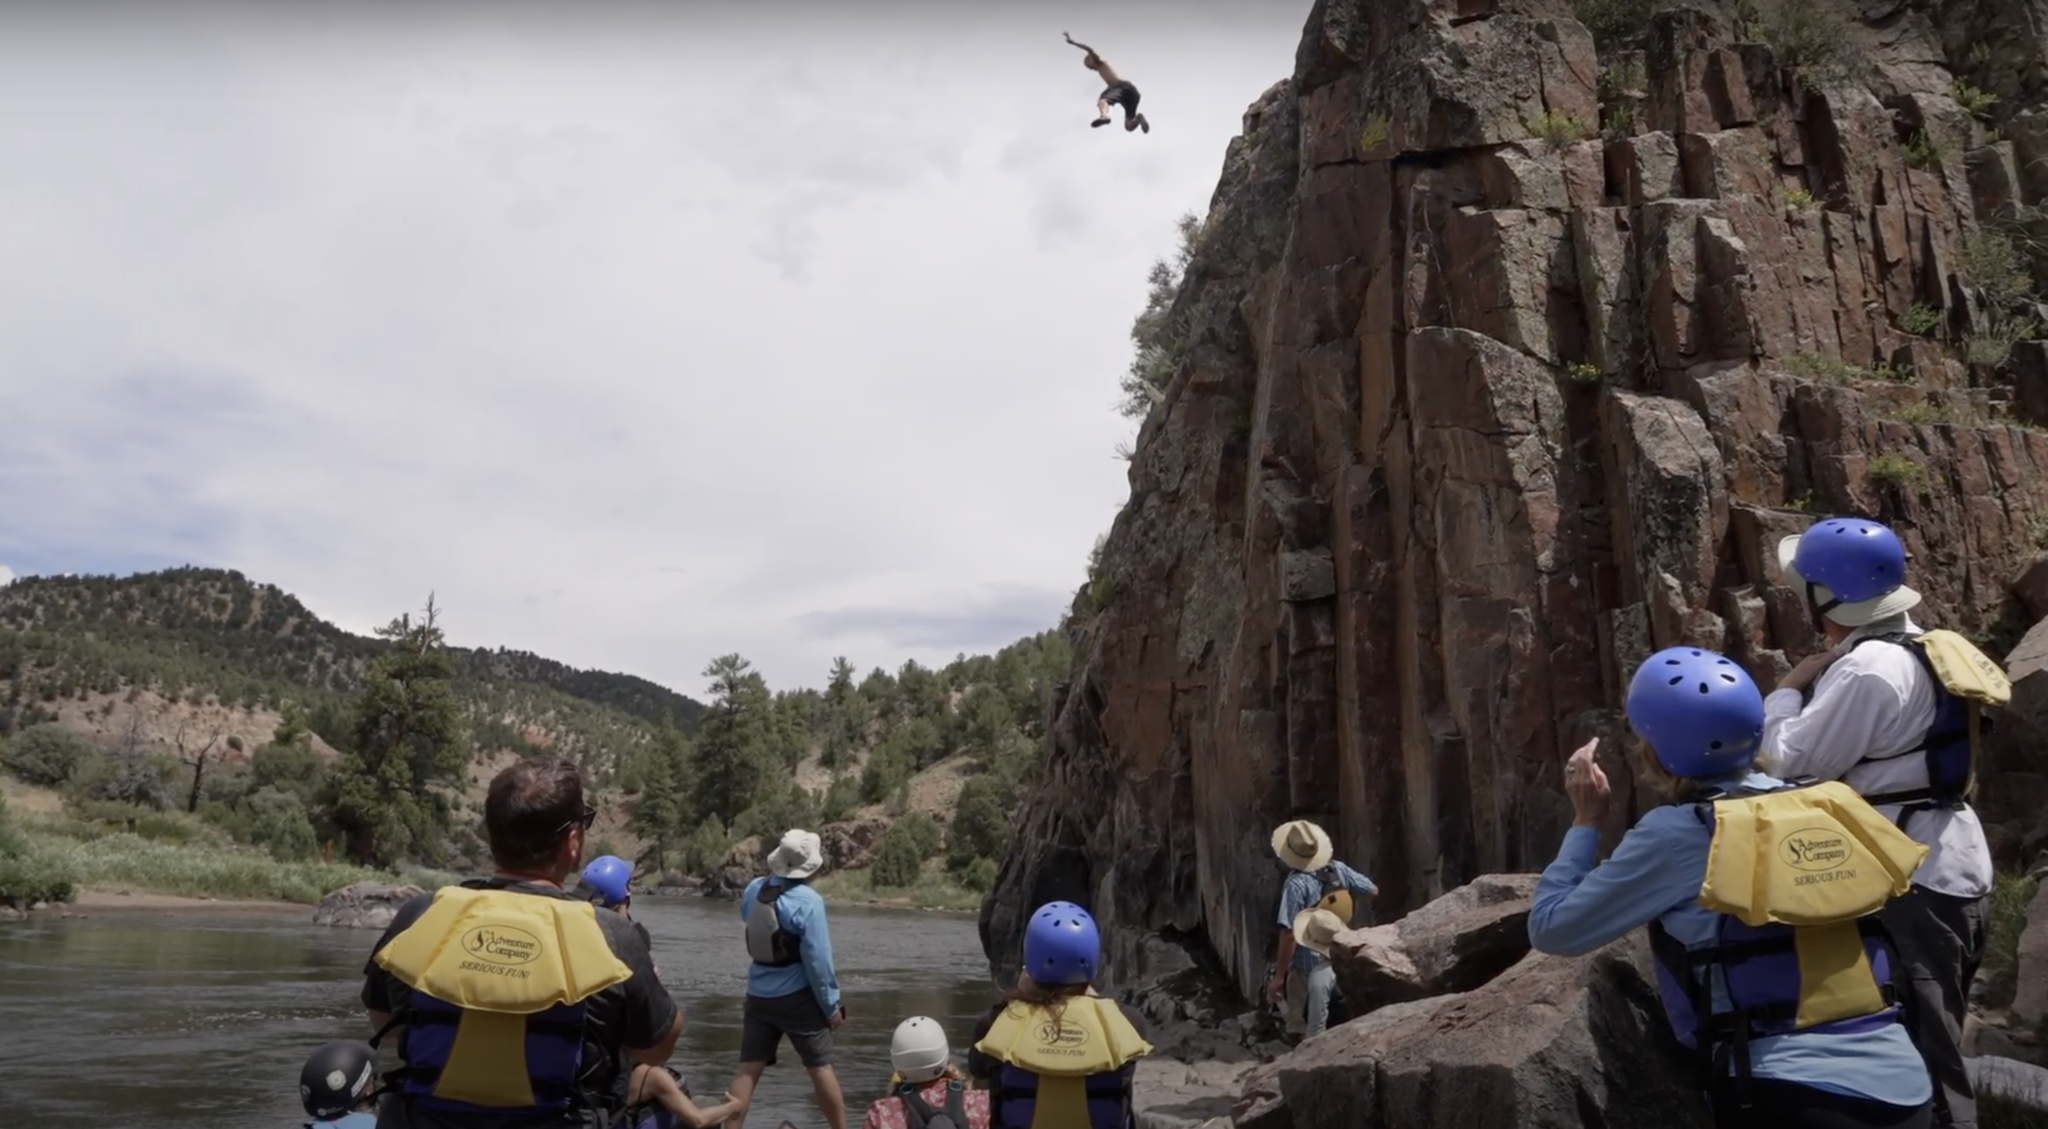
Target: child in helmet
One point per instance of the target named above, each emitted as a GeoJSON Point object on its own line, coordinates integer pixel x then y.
{"type": "Point", "coordinates": [928, 1092]}
{"type": "Point", "coordinates": [1774, 1050]}
{"type": "Point", "coordinates": [1059, 1056]}
{"type": "Point", "coordinates": [338, 1086]}
{"type": "Point", "coordinates": [654, 1098]}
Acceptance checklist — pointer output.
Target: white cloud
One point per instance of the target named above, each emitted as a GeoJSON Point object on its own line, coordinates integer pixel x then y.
{"type": "Point", "coordinates": [639, 338]}
{"type": "Point", "coordinates": [6, 575]}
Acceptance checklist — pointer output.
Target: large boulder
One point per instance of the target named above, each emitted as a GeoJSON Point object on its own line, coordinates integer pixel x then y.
{"type": "Point", "coordinates": [1553, 1043]}
{"type": "Point", "coordinates": [363, 905]}
{"type": "Point", "coordinates": [851, 844]}
{"type": "Point", "coordinates": [747, 861]}
{"type": "Point", "coordinates": [2030, 994]}
{"type": "Point", "coordinates": [1167, 1093]}
{"type": "Point", "coordinates": [2002, 1082]}
{"type": "Point", "coordinates": [2015, 810]}
{"type": "Point", "coordinates": [1454, 944]}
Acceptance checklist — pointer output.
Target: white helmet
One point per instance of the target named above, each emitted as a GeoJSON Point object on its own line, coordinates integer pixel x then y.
{"type": "Point", "coordinates": [919, 1050]}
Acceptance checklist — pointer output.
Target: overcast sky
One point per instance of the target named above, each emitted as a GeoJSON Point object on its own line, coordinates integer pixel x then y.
{"type": "Point", "coordinates": [639, 336]}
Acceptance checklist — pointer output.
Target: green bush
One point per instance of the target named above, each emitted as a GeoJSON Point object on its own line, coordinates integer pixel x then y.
{"type": "Point", "coordinates": [897, 863]}
{"type": "Point", "coordinates": [277, 822]}
{"type": "Point", "coordinates": [840, 799]}
{"type": "Point", "coordinates": [980, 830]}
{"type": "Point", "coordinates": [27, 878]}
{"type": "Point", "coordinates": [776, 814]}
{"type": "Point", "coordinates": [979, 875]}
{"type": "Point", "coordinates": [46, 754]}
{"type": "Point", "coordinates": [2011, 894]}
{"type": "Point", "coordinates": [924, 832]}
{"type": "Point", "coordinates": [144, 781]}
{"type": "Point", "coordinates": [706, 847]}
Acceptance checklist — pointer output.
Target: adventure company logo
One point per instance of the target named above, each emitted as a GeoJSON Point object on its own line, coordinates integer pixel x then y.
{"type": "Point", "coordinates": [1056, 1036]}
{"type": "Point", "coordinates": [1823, 853]}
{"type": "Point", "coordinates": [497, 948]}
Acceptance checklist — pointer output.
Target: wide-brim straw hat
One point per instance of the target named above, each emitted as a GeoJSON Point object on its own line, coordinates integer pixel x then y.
{"type": "Point", "coordinates": [1898, 601]}
{"type": "Point", "coordinates": [1302, 845]}
{"type": "Point", "coordinates": [1316, 928]}
{"type": "Point", "coordinates": [799, 855]}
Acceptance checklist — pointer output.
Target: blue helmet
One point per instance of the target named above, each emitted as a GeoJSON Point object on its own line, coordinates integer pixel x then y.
{"type": "Point", "coordinates": [609, 876]}
{"type": "Point", "coordinates": [1062, 945]}
{"type": "Point", "coordinates": [1700, 712]}
{"type": "Point", "coordinates": [1855, 559]}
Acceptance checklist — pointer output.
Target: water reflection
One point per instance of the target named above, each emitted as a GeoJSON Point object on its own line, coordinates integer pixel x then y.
{"type": "Point", "coordinates": [204, 1019]}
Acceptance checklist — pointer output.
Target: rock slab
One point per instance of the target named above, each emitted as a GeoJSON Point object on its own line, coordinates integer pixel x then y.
{"type": "Point", "coordinates": [363, 905]}
{"type": "Point", "coordinates": [2030, 996]}
{"type": "Point", "coordinates": [1553, 1043]}
{"type": "Point", "coordinates": [1454, 944]}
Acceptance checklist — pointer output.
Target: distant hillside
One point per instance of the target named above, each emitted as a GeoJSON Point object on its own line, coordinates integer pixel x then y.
{"type": "Point", "coordinates": [208, 637]}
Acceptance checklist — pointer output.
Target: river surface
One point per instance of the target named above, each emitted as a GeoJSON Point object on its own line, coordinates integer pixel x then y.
{"type": "Point", "coordinates": [203, 1017]}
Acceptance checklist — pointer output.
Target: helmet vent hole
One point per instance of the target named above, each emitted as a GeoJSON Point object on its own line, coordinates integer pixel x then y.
{"type": "Point", "coordinates": [1704, 688]}
{"type": "Point", "coordinates": [1715, 745]}
{"type": "Point", "coordinates": [1675, 680]}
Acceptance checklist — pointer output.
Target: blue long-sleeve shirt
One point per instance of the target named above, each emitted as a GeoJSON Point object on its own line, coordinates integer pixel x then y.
{"type": "Point", "coordinates": [1655, 875]}
{"type": "Point", "coordinates": [1302, 890]}
{"type": "Point", "coordinates": [802, 910]}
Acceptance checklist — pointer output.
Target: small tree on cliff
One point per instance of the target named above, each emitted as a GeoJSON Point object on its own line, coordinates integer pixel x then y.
{"type": "Point", "coordinates": [407, 740]}
{"type": "Point", "coordinates": [1161, 339]}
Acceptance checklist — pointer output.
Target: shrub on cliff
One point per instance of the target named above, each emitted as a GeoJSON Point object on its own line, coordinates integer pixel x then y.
{"type": "Point", "coordinates": [47, 755]}
{"type": "Point", "coordinates": [1614, 22]}
{"type": "Point", "coordinates": [1160, 337]}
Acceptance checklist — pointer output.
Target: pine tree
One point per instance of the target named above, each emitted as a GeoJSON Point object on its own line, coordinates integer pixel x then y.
{"type": "Point", "coordinates": [407, 741]}
{"type": "Point", "coordinates": [659, 813]}
{"type": "Point", "coordinates": [734, 754]}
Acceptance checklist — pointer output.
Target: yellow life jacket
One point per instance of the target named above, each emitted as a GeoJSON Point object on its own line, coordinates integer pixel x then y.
{"type": "Point", "coordinates": [499, 978]}
{"type": "Point", "coordinates": [1817, 859]}
{"type": "Point", "coordinates": [1089, 1038]}
{"type": "Point", "coordinates": [1966, 682]}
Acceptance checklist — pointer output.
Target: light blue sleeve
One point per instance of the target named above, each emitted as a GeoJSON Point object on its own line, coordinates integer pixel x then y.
{"type": "Point", "coordinates": [817, 955]}
{"type": "Point", "coordinates": [1295, 896]}
{"type": "Point", "coordinates": [1582, 904]}
{"type": "Point", "coordinates": [1358, 881]}
{"type": "Point", "coordinates": [747, 898]}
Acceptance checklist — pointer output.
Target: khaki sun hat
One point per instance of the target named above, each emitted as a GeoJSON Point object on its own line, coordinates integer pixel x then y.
{"type": "Point", "coordinates": [799, 855]}
{"type": "Point", "coordinates": [1302, 845]}
{"type": "Point", "coordinates": [1315, 928]}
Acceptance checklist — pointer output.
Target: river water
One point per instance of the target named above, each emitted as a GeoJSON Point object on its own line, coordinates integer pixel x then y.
{"type": "Point", "coordinates": [203, 1018]}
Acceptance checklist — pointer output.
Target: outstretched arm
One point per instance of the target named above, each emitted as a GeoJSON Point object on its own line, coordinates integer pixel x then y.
{"type": "Point", "coordinates": [1083, 46]}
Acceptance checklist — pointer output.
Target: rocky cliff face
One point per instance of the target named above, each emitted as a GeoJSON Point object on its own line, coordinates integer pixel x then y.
{"type": "Point", "coordinates": [1508, 361]}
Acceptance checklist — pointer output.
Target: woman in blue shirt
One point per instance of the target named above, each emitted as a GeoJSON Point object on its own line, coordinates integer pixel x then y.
{"type": "Point", "coordinates": [1703, 718]}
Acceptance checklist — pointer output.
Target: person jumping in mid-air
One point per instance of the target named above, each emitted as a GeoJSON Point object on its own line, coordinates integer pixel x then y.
{"type": "Point", "coordinates": [1117, 92]}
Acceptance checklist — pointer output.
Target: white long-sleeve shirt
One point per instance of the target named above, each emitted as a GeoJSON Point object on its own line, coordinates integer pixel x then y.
{"type": "Point", "coordinates": [1878, 701]}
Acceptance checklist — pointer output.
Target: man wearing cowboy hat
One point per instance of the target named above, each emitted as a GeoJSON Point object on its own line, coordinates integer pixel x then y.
{"type": "Point", "coordinates": [1302, 975]}
{"type": "Point", "coordinates": [1855, 713]}
{"type": "Point", "coordinates": [792, 987]}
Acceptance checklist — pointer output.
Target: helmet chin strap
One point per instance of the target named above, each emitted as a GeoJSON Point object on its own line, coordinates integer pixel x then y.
{"type": "Point", "coordinates": [1818, 611]}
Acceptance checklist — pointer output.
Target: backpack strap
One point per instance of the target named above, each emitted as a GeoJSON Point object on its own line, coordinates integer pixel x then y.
{"type": "Point", "coordinates": [917, 1112]}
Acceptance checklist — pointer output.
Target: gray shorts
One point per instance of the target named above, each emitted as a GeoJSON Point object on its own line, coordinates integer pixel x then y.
{"type": "Point", "coordinates": [765, 1020]}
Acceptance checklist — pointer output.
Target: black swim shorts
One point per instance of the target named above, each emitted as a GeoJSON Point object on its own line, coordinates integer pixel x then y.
{"type": "Point", "coordinates": [1122, 94]}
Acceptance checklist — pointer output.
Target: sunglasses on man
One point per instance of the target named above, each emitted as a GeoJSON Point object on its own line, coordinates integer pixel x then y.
{"type": "Point", "coordinates": [581, 822]}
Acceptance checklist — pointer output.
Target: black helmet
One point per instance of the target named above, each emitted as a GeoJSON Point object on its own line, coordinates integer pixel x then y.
{"type": "Point", "coordinates": [336, 1079]}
